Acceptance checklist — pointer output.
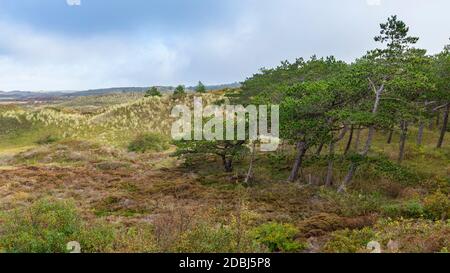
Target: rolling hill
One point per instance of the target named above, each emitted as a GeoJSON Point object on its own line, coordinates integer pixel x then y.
{"type": "Point", "coordinates": [49, 95]}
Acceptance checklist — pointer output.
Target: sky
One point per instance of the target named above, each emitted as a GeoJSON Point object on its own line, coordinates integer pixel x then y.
{"type": "Point", "coordinates": [85, 44]}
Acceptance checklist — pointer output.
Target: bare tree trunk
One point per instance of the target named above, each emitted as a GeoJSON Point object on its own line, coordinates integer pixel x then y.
{"type": "Point", "coordinates": [348, 178]}
{"type": "Point", "coordinates": [329, 179]}
{"type": "Point", "coordinates": [227, 164]}
{"type": "Point", "coordinates": [430, 125]}
{"type": "Point", "coordinates": [438, 119]}
{"type": "Point", "coordinates": [369, 140]}
{"type": "Point", "coordinates": [350, 140]}
{"type": "Point", "coordinates": [320, 148]}
{"type": "Point", "coordinates": [250, 168]}
{"type": "Point", "coordinates": [420, 133]}
{"type": "Point", "coordinates": [391, 134]}
{"type": "Point", "coordinates": [301, 150]}
{"type": "Point", "coordinates": [403, 136]}
{"type": "Point", "coordinates": [353, 166]}
{"type": "Point", "coordinates": [444, 126]}
{"type": "Point", "coordinates": [358, 138]}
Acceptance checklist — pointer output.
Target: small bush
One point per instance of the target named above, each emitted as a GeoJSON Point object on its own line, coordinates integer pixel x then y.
{"type": "Point", "coordinates": [413, 209]}
{"type": "Point", "coordinates": [179, 92]}
{"type": "Point", "coordinates": [47, 226]}
{"type": "Point", "coordinates": [149, 142]}
{"type": "Point", "coordinates": [278, 237]}
{"type": "Point", "coordinates": [414, 235]}
{"type": "Point", "coordinates": [392, 210]}
{"type": "Point", "coordinates": [383, 167]}
{"type": "Point", "coordinates": [209, 238]}
{"type": "Point", "coordinates": [410, 209]}
{"type": "Point", "coordinates": [109, 166]}
{"type": "Point", "coordinates": [349, 241]}
{"type": "Point", "coordinates": [353, 203]}
{"type": "Point", "coordinates": [97, 239]}
{"type": "Point", "coordinates": [228, 234]}
{"type": "Point", "coordinates": [437, 206]}
{"type": "Point", "coordinates": [48, 139]}
{"type": "Point", "coordinates": [153, 92]}
{"type": "Point", "coordinates": [137, 239]}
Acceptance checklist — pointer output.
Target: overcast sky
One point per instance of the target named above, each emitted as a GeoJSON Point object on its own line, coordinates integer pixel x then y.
{"type": "Point", "coordinates": [84, 44]}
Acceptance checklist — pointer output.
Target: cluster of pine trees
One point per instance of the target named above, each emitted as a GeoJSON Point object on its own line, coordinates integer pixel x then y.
{"type": "Point", "coordinates": [179, 91]}
{"type": "Point", "coordinates": [323, 100]}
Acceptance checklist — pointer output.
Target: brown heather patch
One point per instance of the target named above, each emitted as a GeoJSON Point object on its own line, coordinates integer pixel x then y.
{"type": "Point", "coordinates": [134, 188]}
{"type": "Point", "coordinates": [323, 223]}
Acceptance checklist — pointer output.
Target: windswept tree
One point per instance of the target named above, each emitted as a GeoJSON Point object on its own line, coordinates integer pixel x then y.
{"type": "Point", "coordinates": [310, 109]}
{"type": "Point", "coordinates": [343, 115]}
{"type": "Point", "coordinates": [268, 81]}
{"type": "Point", "coordinates": [215, 145]}
{"type": "Point", "coordinates": [300, 120]}
{"type": "Point", "coordinates": [309, 92]}
{"type": "Point", "coordinates": [384, 71]}
{"type": "Point", "coordinates": [411, 88]}
{"type": "Point", "coordinates": [441, 96]}
{"type": "Point", "coordinates": [227, 150]}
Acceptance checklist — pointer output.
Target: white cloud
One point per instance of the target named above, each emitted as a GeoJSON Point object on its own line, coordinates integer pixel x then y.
{"type": "Point", "coordinates": [261, 34]}
{"type": "Point", "coordinates": [36, 61]}
{"type": "Point", "coordinates": [373, 2]}
{"type": "Point", "coordinates": [73, 2]}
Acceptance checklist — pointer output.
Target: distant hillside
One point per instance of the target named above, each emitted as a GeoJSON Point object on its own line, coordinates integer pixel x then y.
{"type": "Point", "coordinates": [27, 95]}
{"type": "Point", "coordinates": [96, 92]}
{"type": "Point", "coordinates": [219, 86]}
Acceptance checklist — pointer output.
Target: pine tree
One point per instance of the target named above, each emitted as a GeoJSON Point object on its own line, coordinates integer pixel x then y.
{"type": "Point", "coordinates": [153, 92]}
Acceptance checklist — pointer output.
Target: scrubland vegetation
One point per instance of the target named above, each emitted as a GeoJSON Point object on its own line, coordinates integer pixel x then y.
{"type": "Point", "coordinates": [365, 156]}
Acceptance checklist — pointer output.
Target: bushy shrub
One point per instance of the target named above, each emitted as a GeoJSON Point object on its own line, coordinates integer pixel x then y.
{"type": "Point", "coordinates": [413, 209]}
{"type": "Point", "coordinates": [137, 239]}
{"type": "Point", "coordinates": [278, 237]}
{"type": "Point", "coordinates": [153, 92]}
{"type": "Point", "coordinates": [179, 92]}
{"type": "Point", "coordinates": [47, 226]}
{"type": "Point", "coordinates": [97, 238]}
{"type": "Point", "coordinates": [414, 235]}
{"type": "Point", "coordinates": [349, 241]}
{"type": "Point", "coordinates": [381, 166]}
{"type": "Point", "coordinates": [353, 203]}
{"type": "Point", "coordinates": [437, 206]}
{"type": "Point", "coordinates": [409, 209]}
{"type": "Point", "coordinates": [209, 238]}
{"type": "Point", "coordinates": [47, 139]}
{"type": "Point", "coordinates": [392, 210]}
{"type": "Point", "coordinates": [149, 142]}
{"type": "Point", "coordinates": [44, 227]}
{"type": "Point", "coordinates": [228, 234]}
